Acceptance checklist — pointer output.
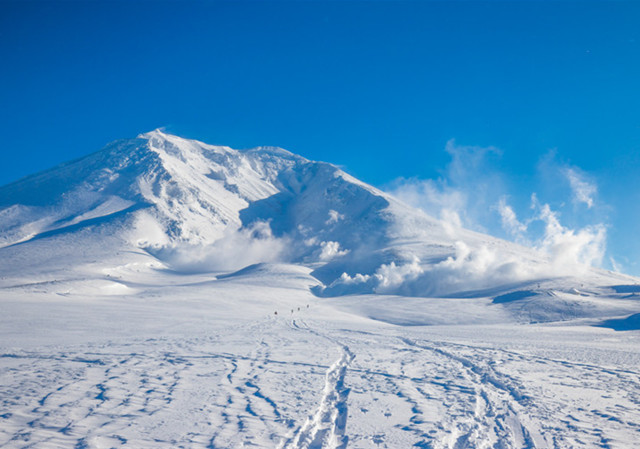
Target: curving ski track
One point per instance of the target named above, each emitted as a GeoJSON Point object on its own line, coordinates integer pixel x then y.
{"type": "Point", "coordinates": [268, 384]}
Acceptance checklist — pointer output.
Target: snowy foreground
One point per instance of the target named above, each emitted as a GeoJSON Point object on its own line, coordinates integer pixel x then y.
{"type": "Point", "coordinates": [167, 293]}
{"type": "Point", "coordinates": [187, 361]}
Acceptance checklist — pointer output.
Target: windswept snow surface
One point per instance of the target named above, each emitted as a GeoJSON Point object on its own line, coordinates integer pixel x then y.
{"type": "Point", "coordinates": [165, 293]}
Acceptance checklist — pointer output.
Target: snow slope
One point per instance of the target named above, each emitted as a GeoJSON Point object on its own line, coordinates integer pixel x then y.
{"type": "Point", "coordinates": [163, 292]}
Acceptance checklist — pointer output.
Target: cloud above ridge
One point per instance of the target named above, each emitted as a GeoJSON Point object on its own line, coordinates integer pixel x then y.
{"type": "Point", "coordinates": [473, 192]}
{"type": "Point", "coordinates": [459, 197]}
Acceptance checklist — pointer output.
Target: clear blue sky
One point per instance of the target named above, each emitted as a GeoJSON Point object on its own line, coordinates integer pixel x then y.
{"type": "Point", "coordinates": [377, 87]}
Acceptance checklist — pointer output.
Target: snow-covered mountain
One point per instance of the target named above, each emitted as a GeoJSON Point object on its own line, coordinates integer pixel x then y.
{"type": "Point", "coordinates": [188, 207]}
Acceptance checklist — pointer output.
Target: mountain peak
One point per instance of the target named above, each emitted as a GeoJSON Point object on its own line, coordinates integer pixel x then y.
{"type": "Point", "coordinates": [161, 140]}
{"type": "Point", "coordinates": [155, 133]}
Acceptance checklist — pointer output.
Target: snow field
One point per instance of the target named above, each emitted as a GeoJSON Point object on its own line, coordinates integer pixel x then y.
{"type": "Point", "coordinates": [315, 378]}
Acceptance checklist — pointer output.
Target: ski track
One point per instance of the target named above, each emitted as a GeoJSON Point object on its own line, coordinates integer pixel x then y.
{"type": "Point", "coordinates": [268, 390]}
{"type": "Point", "coordinates": [326, 428]}
{"type": "Point", "coordinates": [460, 396]}
{"type": "Point", "coordinates": [497, 418]}
{"type": "Point", "coordinates": [244, 403]}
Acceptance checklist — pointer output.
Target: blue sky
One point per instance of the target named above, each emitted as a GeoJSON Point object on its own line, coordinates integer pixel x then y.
{"type": "Point", "coordinates": [462, 107]}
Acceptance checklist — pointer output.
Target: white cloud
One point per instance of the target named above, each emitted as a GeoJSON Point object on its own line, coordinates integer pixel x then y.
{"type": "Point", "coordinates": [237, 249]}
{"type": "Point", "coordinates": [583, 190]}
{"type": "Point", "coordinates": [467, 270]}
{"type": "Point", "coordinates": [334, 217]}
{"type": "Point", "coordinates": [615, 265]}
{"type": "Point", "coordinates": [568, 253]}
{"type": "Point", "coordinates": [473, 193]}
{"type": "Point", "coordinates": [330, 250]}
{"type": "Point", "coordinates": [467, 160]}
{"type": "Point", "coordinates": [462, 196]}
{"type": "Point", "coordinates": [569, 249]}
{"type": "Point", "coordinates": [431, 196]}
{"type": "Point", "coordinates": [510, 222]}
{"type": "Point", "coordinates": [435, 198]}
{"type": "Point", "coordinates": [451, 221]}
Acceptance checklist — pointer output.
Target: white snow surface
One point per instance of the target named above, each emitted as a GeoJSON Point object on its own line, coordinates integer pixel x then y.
{"type": "Point", "coordinates": [166, 293]}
